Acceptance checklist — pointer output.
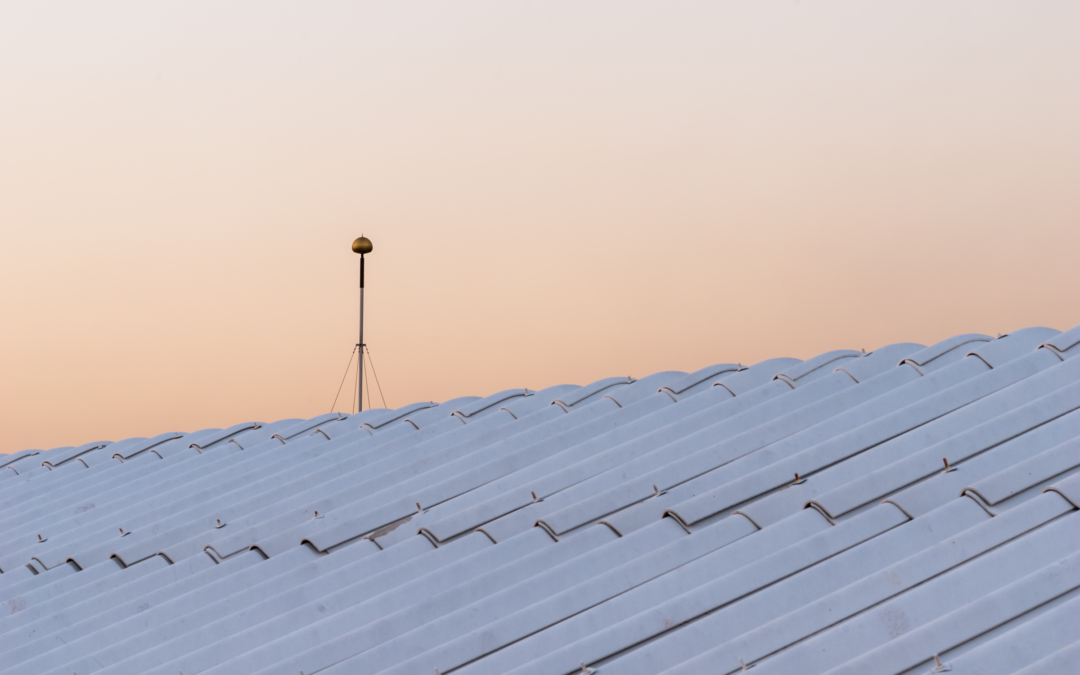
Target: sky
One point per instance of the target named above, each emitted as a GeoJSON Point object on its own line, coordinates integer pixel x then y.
{"type": "Point", "coordinates": [556, 192]}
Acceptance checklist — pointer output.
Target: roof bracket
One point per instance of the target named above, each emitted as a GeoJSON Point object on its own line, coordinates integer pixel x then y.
{"type": "Point", "coordinates": [889, 501]}
{"type": "Point", "coordinates": [310, 544]}
{"type": "Point", "coordinates": [612, 398]}
{"type": "Point", "coordinates": [820, 509]}
{"type": "Point", "coordinates": [721, 384]}
{"type": "Point", "coordinates": [744, 515]}
{"type": "Point", "coordinates": [209, 551]}
{"type": "Point", "coordinates": [613, 528]}
{"type": "Point", "coordinates": [426, 533]}
{"type": "Point", "coordinates": [1054, 488]}
{"type": "Point", "coordinates": [547, 528]}
{"type": "Point", "coordinates": [677, 518]}
{"type": "Point", "coordinates": [978, 499]}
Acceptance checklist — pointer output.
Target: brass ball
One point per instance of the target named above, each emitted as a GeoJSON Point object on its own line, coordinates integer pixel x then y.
{"type": "Point", "coordinates": [362, 245]}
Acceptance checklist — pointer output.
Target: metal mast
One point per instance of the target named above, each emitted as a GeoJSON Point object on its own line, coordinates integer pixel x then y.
{"type": "Point", "coordinates": [361, 246]}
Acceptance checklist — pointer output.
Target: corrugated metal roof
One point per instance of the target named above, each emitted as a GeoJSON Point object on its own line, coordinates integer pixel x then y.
{"type": "Point", "coordinates": [853, 513]}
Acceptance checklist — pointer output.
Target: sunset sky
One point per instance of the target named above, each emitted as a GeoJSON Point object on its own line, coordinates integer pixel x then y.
{"type": "Point", "coordinates": [556, 192]}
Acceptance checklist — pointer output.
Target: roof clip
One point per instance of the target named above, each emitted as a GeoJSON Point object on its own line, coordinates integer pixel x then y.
{"type": "Point", "coordinates": [940, 667]}
{"type": "Point", "coordinates": [948, 469]}
{"type": "Point", "coordinates": [418, 508]}
{"type": "Point", "coordinates": [41, 539]}
{"type": "Point", "coordinates": [798, 481]}
{"type": "Point", "coordinates": [219, 524]}
{"type": "Point", "coordinates": [123, 533]}
{"type": "Point", "coordinates": [535, 498]}
{"type": "Point", "coordinates": [317, 516]}
{"type": "Point", "coordinates": [585, 670]}
{"type": "Point", "coordinates": [744, 666]}
{"type": "Point", "coordinates": [657, 491]}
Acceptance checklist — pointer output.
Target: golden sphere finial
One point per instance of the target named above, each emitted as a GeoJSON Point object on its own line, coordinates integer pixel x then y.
{"type": "Point", "coordinates": [362, 245]}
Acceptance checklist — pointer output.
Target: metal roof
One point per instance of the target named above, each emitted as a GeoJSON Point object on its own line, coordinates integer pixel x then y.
{"type": "Point", "coordinates": [908, 510]}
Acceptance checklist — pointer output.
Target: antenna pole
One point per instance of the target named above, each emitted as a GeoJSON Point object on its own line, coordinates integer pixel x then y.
{"type": "Point", "coordinates": [360, 345]}
{"type": "Point", "coordinates": [361, 246]}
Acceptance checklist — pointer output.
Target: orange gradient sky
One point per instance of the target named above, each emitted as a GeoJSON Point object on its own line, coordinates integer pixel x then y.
{"type": "Point", "coordinates": [557, 192]}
